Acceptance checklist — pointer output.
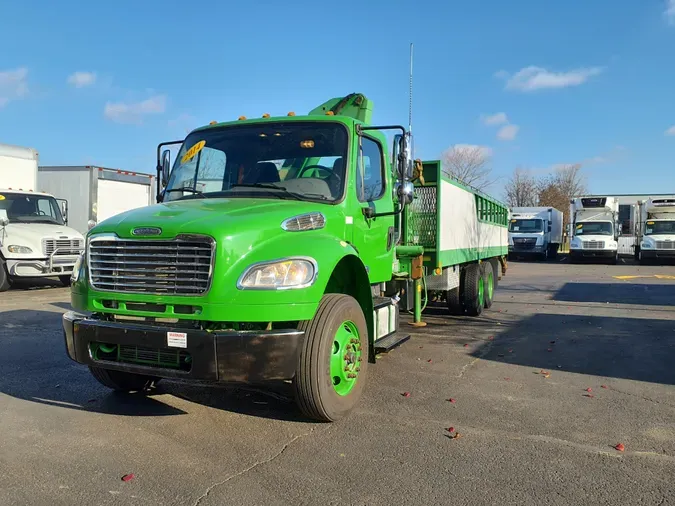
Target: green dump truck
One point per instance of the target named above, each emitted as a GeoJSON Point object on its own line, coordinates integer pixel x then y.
{"type": "Point", "coordinates": [282, 249]}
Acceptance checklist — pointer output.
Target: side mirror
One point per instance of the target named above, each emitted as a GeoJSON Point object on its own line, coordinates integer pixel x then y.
{"type": "Point", "coordinates": [64, 210]}
{"type": "Point", "coordinates": [166, 167]}
{"type": "Point", "coordinates": [4, 220]}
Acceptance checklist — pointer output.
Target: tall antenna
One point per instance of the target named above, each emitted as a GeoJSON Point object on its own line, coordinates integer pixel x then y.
{"type": "Point", "coordinates": [410, 91]}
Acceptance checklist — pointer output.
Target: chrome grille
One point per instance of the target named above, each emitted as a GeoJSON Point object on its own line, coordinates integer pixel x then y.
{"type": "Point", "coordinates": [65, 246]}
{"type": "Point", "coordinates": [665, 244]}
{"type": "Point", "coordinates": [593, 244]}
{"type": "Point", "coordinates": [180, 266]}
{"type": "Point", "coordinates": [525, 242]}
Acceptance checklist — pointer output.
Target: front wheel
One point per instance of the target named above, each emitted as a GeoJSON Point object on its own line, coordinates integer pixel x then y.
{"type": "Point", "coordinates": [333, 359]}
{"type": "Point", "coordinates": [122, 381]}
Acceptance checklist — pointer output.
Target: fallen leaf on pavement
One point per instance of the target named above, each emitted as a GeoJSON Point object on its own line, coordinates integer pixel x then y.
{"type": "Point", "coordinates": [429, 360]}
{"type": "Point", "coordinates": [589, 389]}
{"type": "Point", "coordinates": [510, 350]}
{"type": "Point", "coordinates": [603, 386]}
{"type": "Point", "coordinates": [406, 394]}
{"type": "Point", "coordinates": [507, 379]}
{"type": "Point", "coordinates": [452, 400]}
{"type": "Point", "coordinates": [491, 338]}
{"type": "Point", "coordinates": [450, 429]}
{"type": "Point", "coordinates": [590, 396]}
{"type": "Point", "coordinates": [466, 345]}
{"type": "Point", "coordinates": [128, 477]}
{"type": "Point", "coordinates": [455, 435]}
{"type": "Point", "coordinates": [620, 447]}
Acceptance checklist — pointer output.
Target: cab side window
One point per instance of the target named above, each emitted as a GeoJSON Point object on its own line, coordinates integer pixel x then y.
{"type": "Point", "coordinates": [370, 181]}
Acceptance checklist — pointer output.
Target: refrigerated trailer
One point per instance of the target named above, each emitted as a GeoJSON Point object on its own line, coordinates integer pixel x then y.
{"type": "Point", "coordinates": [595, 228]}
{"type": "Point", "coordinates": [655, 230]}
{"type": "Point", "coordinates": [96, 193]}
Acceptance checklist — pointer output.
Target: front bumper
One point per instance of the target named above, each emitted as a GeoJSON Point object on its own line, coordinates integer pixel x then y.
{"type": "Point", "coordinates": [593, 253]}
{"type": "Point", "coordinates": [517, 248]}
{"type": "Point", "coordinates": [658, 253]}
{"type": "Point", "coordinates": [227, 356]}
{"type": "Point", "coordinates": [54, 265]}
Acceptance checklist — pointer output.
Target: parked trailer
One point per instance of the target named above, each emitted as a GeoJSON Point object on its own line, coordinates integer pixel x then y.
{"type": "Point", "coordinates": [535, 230]}
{"type": "Point", "coordinates": [655, 230]}
{"type": "Point", "coordinates": [35, 240]}
{"type": "Point", "coordinates": [282, 272]}
{"type": "Point", "coordinates": [595, 228]}
{"type": "Point", "coordinates": [97, 193]}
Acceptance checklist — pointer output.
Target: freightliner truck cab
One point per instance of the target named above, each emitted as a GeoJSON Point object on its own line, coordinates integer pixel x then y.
{"type": "Point", "coordinates": [262, 261]}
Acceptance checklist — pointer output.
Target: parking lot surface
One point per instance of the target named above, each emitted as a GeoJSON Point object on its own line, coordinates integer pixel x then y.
{"type": "Point", "coordinates": [570, 361]}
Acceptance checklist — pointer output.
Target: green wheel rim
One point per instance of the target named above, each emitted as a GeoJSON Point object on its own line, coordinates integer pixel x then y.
{"type": "Point", "coordinates": [481, 291]}
{"type": "Point", "coordinates": [345, 359]}
{"type": "Point", "coordinates": [491, 286]}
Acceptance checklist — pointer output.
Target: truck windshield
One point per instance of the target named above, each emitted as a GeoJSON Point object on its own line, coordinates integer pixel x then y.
{"type": "Point", "coordinates": [594, 228]}
{"type": "Point", "coordinates": [526, 225]}
{"type": "Point", "coordinates": [660, 227]}
{"type": "Point", "coordinates": [29, 208]}
{"type": "Point", "coordinates": [300, 160]}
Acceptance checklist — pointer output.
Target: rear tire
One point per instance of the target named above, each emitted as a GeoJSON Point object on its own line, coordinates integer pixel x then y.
{"type": "Point", "coordinates": [333, 360]}
{"type": "Point", "coordinates": [454, 300]}
{"type": "Point", "coordinates": [488, 283]}
{"type": "Point", "coordinates": [122, 381]}
{"type": "Point", "coordinates": [5, 282]}
{"type": "Point", "coordinates": [65, 280]}
{"type": "Point", "coordinates": [474, 290]}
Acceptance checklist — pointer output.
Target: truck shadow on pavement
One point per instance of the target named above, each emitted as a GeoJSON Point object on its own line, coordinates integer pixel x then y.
{"type": "Point", "coordinates": [36, 368]}
{"type": "Point", "coordinates": [638, 349]}
{"type": "Point", "coordinates": [651, 294]}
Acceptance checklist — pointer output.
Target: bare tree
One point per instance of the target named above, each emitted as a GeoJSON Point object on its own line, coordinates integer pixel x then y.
{"type": "Point", "coordinates": [569, 179]}
{"type": "Point", "coordinates": [469, 164]}
{"type": "Point", "coordinates": [521, 189]}
{"type": "Point", "coordinates": [559, 188]}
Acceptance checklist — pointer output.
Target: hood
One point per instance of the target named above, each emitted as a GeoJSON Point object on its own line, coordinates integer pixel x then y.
{"type": "Point", "coordinates": [32, 234]}
{"type": "Point", "coordinates": [215, 217]}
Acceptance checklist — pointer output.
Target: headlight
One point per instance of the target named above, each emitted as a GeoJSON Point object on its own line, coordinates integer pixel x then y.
{"type": "Point", "coordinates": [75, 275]}
{"type": "Point", "coordinates": [646, 245]}
{"type": "Point", "coordinates": [279, 275]}
{"type": "Point", "coordinates": [13, 248]}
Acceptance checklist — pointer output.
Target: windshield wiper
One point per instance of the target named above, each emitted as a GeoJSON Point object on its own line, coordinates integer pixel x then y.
{"type": "Point", "coordinates": [268, 186]}
{"type": "Point", "coordinates": [196, 192]}
{"type": "Point", "coordinates": [272, 186]}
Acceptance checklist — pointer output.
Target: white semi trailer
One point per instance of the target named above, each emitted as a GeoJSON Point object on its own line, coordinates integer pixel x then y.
{"type": "Point", "coordinates": [595, 230]}
{"type": "Point", "coordinates": [535, 230]}
{"type": "Point", "coordinates": [35, 240]}
{"type": "Point", "coordinates": [97, 193]}
{"type": "Point", "coordinates": [655, 230]}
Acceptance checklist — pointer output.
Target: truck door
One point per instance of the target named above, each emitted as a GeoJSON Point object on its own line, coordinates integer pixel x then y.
{"type": "Point", "coordinates": [373, 237]}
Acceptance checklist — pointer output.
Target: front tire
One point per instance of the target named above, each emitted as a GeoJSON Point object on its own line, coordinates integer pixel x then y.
{"type": "Point", "coordinates": [121, 381]}
{"type": "Point", "coordinates": [5, 282]}
{"type": "Point", "coordinates": [333, 361]}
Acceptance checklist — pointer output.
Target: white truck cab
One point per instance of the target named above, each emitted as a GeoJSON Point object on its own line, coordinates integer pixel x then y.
{"type": "Point", "coordinates": [656, 230]}
{"type": "Point", "coordinates": [535, 231]}
{"type": "Point", "coordinates": [35, 240]}
{"type": "Point", "coordinates": [594, 228]}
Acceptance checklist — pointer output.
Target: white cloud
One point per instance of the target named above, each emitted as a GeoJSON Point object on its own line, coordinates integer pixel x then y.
{"type": "Point", "coordinates": [13, 85]}
{"type": "Point", "coordinates": [671, 130]}
{"type": "Point", "coordinates": [495, 119]}
{"type": "Point", "coordinates": [537, 78]}
{"type": "Point", "coordinates": [508, 132]}
{"type": "Point", "coordinates": [81, 79]}
{"type": "Point", "coordinates": [134, 112]}
{"type": "Point", "coordinates": [670, 12]}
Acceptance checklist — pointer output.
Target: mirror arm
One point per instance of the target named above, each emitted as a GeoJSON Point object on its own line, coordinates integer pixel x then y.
{"type": "Point", "coordinates": [369, 213]}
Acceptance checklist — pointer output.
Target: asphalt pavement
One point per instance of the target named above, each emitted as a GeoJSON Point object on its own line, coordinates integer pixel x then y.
{"type": "Point", "coordinates": [571, 361]}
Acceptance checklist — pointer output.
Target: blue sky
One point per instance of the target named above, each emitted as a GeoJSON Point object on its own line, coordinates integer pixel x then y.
{"type": "Point", "coordinates": [538, 83]}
